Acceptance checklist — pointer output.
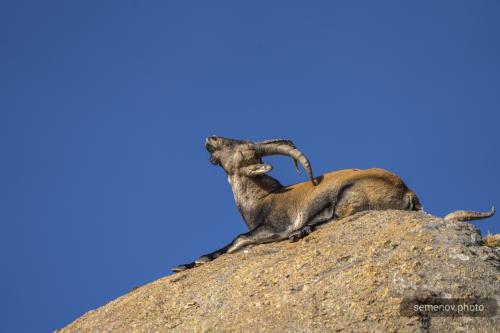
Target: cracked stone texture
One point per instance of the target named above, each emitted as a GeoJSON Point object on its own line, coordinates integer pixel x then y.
{"type": "Point", "coordinates": [347, 276]}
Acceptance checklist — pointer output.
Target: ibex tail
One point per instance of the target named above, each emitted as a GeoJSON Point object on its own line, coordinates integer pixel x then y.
{"type": "Point", "coordinates": [464, 215]}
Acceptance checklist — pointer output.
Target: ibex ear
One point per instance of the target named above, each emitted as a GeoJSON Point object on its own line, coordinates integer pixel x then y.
{"type": "Point", "coordinates": [256, 169]}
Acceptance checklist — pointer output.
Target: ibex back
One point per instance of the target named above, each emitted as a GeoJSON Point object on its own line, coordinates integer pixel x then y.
{"type": "Point", "coordinates": [273, 212]}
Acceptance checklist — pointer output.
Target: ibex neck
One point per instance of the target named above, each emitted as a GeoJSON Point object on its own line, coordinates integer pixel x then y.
{"type": "Point", "coordinates": [249, 193]}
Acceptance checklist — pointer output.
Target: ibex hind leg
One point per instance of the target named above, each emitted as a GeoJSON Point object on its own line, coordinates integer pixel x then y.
{"type": "Point", "coordinates": [412, 201]}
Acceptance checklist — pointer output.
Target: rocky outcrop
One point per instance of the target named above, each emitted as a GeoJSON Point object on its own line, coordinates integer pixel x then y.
{"type": "Point", "coordinates": [350, 275]}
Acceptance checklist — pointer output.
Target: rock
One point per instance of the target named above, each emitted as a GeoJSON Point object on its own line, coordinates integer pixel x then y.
{"type": "Point", "coordinates": [350, 275]}
{"type": "Point", "coordinates": [492, 240]}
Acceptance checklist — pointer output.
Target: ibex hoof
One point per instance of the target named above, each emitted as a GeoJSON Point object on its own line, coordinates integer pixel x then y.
{"type": "Point", "coordinates": [179, 268]}
{"type": "Point", "coordinates": [299, 234]}
{"type": "Point", "coordinates": [294, 237]}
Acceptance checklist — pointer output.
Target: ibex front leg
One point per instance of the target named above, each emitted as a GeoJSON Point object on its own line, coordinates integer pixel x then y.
{"type": "Point", "coordinates": [260, 234]}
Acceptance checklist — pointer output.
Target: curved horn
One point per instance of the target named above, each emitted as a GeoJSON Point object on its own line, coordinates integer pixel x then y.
{"type": "Point", "coordinates": [287, 148]}
{"type": "Point", "coordinates": [282, 141]}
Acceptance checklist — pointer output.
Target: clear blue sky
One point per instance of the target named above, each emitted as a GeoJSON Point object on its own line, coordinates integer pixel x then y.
{"type": "Point", "coordinates": [104, 179]}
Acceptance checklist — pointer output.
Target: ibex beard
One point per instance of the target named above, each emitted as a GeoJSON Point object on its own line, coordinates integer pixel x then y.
{"type": "Point", "coordinates": [274, 212]}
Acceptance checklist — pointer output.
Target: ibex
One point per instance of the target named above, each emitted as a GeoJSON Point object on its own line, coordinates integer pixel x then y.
{"type": "Point", "coordinates": [274, 212]}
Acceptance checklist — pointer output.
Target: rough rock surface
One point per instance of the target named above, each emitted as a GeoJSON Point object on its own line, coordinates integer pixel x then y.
{"type": "Point", "coordinates": [350, 275]}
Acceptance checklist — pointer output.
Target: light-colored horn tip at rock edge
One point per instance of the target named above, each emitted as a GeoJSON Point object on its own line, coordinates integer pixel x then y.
{"type": "Point", "coordinates": [350, 275]}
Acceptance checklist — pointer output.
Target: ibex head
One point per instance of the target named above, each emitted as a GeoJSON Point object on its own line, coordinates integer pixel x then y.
{"type": "Point", "coordinates": [245, 157]}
